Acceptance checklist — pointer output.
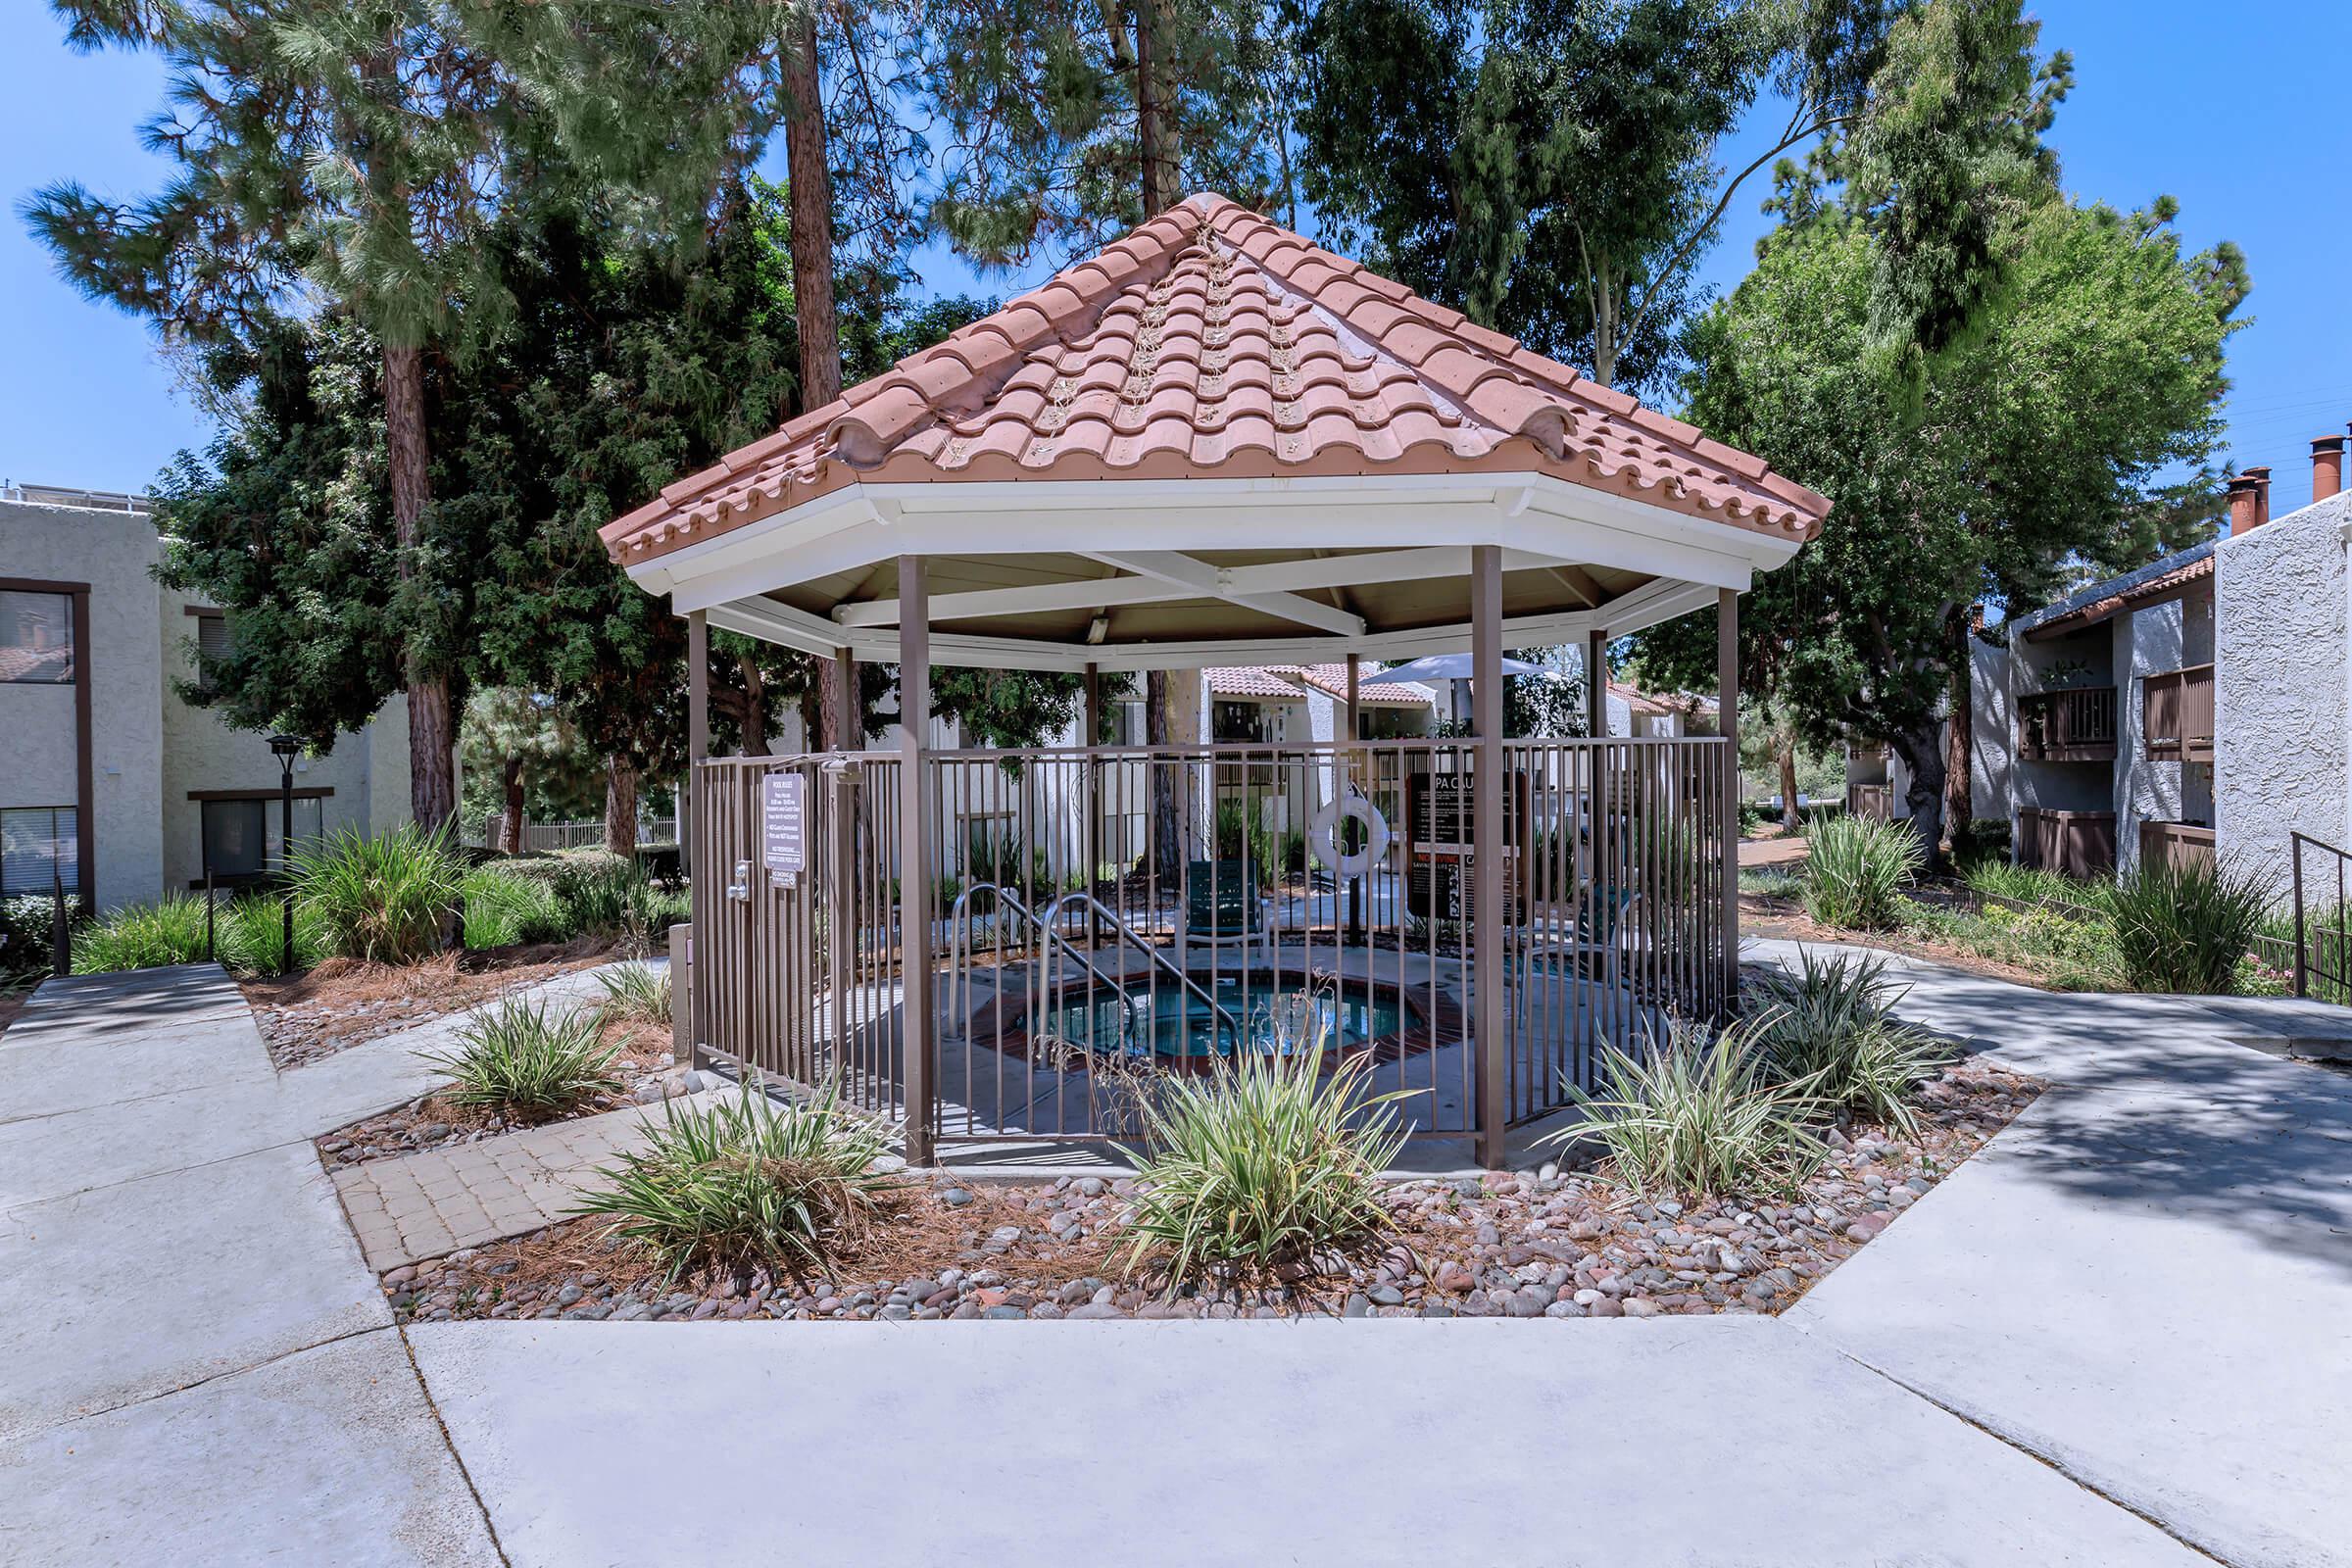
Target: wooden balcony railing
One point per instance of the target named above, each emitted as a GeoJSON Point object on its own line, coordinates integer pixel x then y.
{"type": "Point", "coordinates": [2076, 844]}
{"type": "Point", "coordinates": [1872, 801]}
{"type": "Point", "coordinates": [2177, 714]}
{"type": "Point", "coordinates": [2179, 845]}
{"type": "Point", "coordinates": [2075, 726]}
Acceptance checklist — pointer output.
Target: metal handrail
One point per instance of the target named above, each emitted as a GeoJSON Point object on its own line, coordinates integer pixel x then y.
{"type": "Point", "coordinates": [960, 925]}
{"type": "Point", "coordinates": [2341, 976]}
{"type": "Point", "coordinates": [1102, 912]}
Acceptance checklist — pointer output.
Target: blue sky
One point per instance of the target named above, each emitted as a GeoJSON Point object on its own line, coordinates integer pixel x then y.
{"type": "Point", "coordinates": [2236, 111]}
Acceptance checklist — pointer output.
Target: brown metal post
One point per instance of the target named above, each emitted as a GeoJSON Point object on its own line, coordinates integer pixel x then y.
{"type": "Point", "coordinates": [915, 862]}
{"type": "Point", "coordinates": [1596, 683]}
{"type": "Point", "coordinates": [1489, 1024]}
{"type": "Point", "coordinates": [2302, 972]}
{"type": "Point", "coordinates": [709, 883]}
{"type": "Point", "coordinates": [1727, 697]}
{"type": "Point", "coordinates": [1355, 732]}
{"type": "Point", "coordinates": [852, 711]}
{"type": "Point", "coordinates": [1091, 781]}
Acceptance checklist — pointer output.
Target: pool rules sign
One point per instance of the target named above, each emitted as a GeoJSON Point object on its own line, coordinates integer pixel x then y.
{"type": "Point", "coordinates": [784, 827]}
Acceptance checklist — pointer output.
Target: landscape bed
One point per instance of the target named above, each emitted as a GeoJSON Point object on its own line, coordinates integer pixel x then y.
{"type": "Point", "coordinates": [1531, 1244]}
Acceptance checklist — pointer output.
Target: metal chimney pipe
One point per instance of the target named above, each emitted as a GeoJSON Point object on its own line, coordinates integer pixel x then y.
{"type": "Point", "coordinates": [2326, 466]}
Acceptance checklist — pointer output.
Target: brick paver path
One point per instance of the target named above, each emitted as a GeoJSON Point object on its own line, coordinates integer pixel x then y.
{"type": "Point", "coordinates": [431, 1204]}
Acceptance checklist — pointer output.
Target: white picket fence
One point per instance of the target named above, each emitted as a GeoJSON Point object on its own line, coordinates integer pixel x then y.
{"type": "Point", "coordinates": [585, 835]}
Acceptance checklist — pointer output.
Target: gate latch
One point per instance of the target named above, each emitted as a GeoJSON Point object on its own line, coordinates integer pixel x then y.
{"type": "Point", "coordinates": [740, 890]}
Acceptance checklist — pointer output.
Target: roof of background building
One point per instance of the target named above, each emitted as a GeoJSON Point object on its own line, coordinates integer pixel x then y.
{"type": "Point", "coordinates": [1283, 681]}
{"type": "Point", "coordinates": [2153, 583]}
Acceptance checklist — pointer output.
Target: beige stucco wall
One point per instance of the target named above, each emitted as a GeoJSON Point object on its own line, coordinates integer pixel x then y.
{"type": "Point", "coordinates": [149, 749]}
{"type": "Point", "coordinates": [111, 551]}
{"type": "Point", "coordinates": [203, 753]}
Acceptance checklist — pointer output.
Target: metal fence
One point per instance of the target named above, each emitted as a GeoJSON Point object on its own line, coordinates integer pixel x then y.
{"type": "Point", "coordinates": [1101, 921]}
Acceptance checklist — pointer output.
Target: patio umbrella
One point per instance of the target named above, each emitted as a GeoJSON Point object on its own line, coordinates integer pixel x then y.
{"type": "Point", "coordinates": [1453, 667]}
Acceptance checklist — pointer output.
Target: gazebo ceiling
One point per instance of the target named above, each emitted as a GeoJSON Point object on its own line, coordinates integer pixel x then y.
{"type": "Point", "coordinates": [1214, 443]}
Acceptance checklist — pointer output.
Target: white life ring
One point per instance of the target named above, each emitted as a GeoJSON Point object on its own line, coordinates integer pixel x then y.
{"type": "Point", "coordinates": [1323, 837]}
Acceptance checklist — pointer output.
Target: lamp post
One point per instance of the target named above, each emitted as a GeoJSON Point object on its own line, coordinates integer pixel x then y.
{"type": "Point", "coordinates": [285, 747]}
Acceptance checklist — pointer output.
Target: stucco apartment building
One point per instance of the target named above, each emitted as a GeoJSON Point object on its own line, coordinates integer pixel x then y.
{"type": "Point", "coordinates": [2201, 704]}
{"type": "Point", "coordinates": [108, 781]}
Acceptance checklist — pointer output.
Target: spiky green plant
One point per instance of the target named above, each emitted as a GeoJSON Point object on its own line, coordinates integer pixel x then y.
{"type": "Point", "coordinates": [1266, 1163]}
{"type": "Point", "coordinates": [1699, 1116]}
{"type": "Point", "coordinates": [384, 897]}
{"type": "Point", "coordinates": [2185, 929]}
{"type": "Point", "coordinates": [1828, 1022]}
{"type": "Point", "coordinates": [634, 993]}
{"type": "Point", "coordinates": [503, 910]}
{"type": "Point", "coordinates": [744, 1183]}
{"type": "Point", "coordinates": [527, 1059]}
{"type": "Point", "coordinates": [142, 936]}
{"type": "Point", "coordinates": [1855, 868]}
{"type": "Point", "coordinates": [248, 935]}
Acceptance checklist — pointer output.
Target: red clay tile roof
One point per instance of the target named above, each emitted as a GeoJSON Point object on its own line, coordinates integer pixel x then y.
{"type": "Point", "coordinates": [1332, 681]}
{"type": "Point", "coordinates": [1249, 680]}
{"type": "Point", "coordinates": [1212, 343]}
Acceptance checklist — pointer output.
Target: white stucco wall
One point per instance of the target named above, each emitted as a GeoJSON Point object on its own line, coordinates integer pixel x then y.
{"type": "Point", "coordinates": [2282, 719]}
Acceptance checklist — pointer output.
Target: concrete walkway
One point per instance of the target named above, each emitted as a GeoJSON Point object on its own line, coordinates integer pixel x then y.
{"type": "Point", "coordinates": [430, 1203]}
{"type": "Point", "coordinates": [2146, 1280]}
{"type": "Point", "coordinates": [2113, 1338]}
{"type": "Point", "coordinates": [195, 1365]}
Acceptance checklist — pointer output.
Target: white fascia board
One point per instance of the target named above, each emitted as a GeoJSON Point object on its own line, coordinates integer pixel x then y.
{"type": "Point", "coordinates": [1544, 518]}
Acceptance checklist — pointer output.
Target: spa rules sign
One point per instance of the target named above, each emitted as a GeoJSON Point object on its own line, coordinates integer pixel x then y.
{"type": "Point", "coordinates": [784, 827]}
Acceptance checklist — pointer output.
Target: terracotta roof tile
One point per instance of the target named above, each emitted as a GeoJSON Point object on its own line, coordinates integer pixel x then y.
{"type": "Point", "coordinates": [1212, 342]}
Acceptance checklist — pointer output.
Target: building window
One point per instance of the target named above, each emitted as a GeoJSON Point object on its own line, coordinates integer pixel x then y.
{"type": "Point", "coordinates": [36, 638]}
{"type": "Point", "coordinates": [1239, 723]}
{"type": "Point", "coordinates": [39, 845]}
{"type": "Point", "coordinates": [240, 835]}
{"type": "Point", "coordinates": [214, 646]}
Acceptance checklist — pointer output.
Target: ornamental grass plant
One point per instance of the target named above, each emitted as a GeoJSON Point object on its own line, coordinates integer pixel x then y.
{"type": "Point", "coordinates": [1855, 871]}
{"type": "Point", "coordinates": [745, 1183]}
{"type": "Point", "coordinates": [2186, 929]}
{"type": "Point", "coordinates": [1702, 1115]}
{"type": "Point", "coordinates": [383, 898]}
{"type": "Point", "coordinates": [1827, 1024]}
{"type": "Point", "coordinates": [529, 1060]}
{"type": "Point", "coordinates": [1265, 1165]}
{"type": "Point", "coordinates": [634, 993]}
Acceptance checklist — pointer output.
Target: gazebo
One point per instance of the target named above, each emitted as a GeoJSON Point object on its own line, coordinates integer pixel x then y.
{"type": "Point", "coordinates": [1213, 443]}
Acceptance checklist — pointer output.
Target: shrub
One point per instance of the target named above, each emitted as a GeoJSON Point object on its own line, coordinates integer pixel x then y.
{"type": "Point", "coordinates": [1700, 1117]}
{"type": "Point", "coordinates": [1826, 1023]}
{"type": "Point", "coordinates": [1854, 868]}
{"type": "Point", "coordinates": [745, 1183]}
{"type": "Point", "coordinates": [2031, 884]}
{"type": "Point", "coordinates": [503, 910]}
{"type": "Point", "coordinates": [524, 1059]}
{"type": "Point", "coordinates": [2185, 929]}
{"type": "Point", "coordinates": [1265, 1163]}
{"type": "Point", "coordinates": [634, 993]}
{"type": "Point", "coordinates": [142, 936]}
{"type": "Point", "coordinates": [384, 898]}
{"type": "Point", "coordinates": [610, 896]}
{"type": "Point", "coordinates": [27, 949]}
{"type": "Point", "coordinates": [249, 934]}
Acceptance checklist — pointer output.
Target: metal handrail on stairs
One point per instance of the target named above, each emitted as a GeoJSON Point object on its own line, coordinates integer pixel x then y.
{"type": "Point", "coordinates": [2338, 940]}
{"type": "Point", "coordinates": [1047, 922]}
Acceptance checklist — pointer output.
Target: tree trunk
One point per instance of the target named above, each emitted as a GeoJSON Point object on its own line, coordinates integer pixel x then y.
{"type": "Point", "coordinates": [432, 726]}
{"type": "Point", "coordinates": [813, 719]}
{"type": "Point", "coordinates": [1155, 138]}
{"type": "Point", "coordinates": [513, 828]}
{"type": "Point", "coordinates": [1604, 329]}
{"type": "Point", "coordinates": [1789, 817]}
{"type": "Point", "coordinates": [1959, 803]}
{"type": "Point", "coordinates": [1167, 854]}
{"type": "Point", "coordinates": [620, 805]}
{"type": "Point", "coordinates": [755, 709]}
{"type": "Point", "coordinates": [1923, 755]}
{"type": "Point", "coordinates": [811, 217]}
